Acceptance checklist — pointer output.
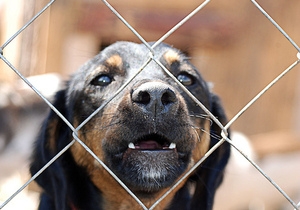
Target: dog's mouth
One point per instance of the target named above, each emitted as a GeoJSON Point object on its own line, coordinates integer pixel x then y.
{"type": "Point", "coordinates": [152, 142]}
{"type": "Point", "coordinates": [147, 160]}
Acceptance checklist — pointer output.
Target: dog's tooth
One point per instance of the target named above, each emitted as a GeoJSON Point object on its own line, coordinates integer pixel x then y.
{"type": "Point", "coordinates": [172, 146]}
{"type": "Point", "coordinates": [131, 145]}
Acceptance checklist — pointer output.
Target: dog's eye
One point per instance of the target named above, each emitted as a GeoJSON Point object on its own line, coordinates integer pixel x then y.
{"type": "Point", "coordinates": [185, 79]}
{"type": "Point", "coordinates": [102, 80]}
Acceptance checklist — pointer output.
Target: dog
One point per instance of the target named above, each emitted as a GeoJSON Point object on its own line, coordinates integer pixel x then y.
{"type": "Point", "coordinates": [149, 135]}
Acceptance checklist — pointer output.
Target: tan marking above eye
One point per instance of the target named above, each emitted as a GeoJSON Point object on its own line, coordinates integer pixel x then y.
{"type": "Point", "coordinates": [115, 61]}
{"type": "Point", "coordinates": [172, 56]}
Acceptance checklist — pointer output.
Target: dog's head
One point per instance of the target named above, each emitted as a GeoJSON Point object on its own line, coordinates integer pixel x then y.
{"type": "Point", "coordinates": [149, 134]}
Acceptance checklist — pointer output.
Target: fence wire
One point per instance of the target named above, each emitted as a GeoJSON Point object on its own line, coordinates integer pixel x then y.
{"type": "Point", "coordinates": [151, 57]}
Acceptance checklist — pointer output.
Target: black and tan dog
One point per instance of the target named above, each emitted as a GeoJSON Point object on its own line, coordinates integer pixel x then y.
{"type": "Point", "coordinates": [149, 135]}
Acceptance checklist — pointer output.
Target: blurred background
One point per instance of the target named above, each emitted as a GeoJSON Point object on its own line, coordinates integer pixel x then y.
{"type": "Point", "coordinates": [231, 43]}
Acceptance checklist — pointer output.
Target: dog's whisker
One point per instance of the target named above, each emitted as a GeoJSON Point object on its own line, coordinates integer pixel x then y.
{"type": "Point", "coordinates": [197, 134]}
{"type": "Point", "coordinates": [108, 114]}
{"type": "Point", "coordinates": [206, 132]}
{"type": "Point", "coordinates": [109, 125]}
{"type": "Point", "coordinates": [202, 116]}
{"type": "Point", "coordinates": [211, 134]}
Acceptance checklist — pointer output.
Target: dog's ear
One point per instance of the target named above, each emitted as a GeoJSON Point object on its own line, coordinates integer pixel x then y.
{"type": "Point", "coordinates": [53, 136]}
{"type": "Point", "coordinates": [209, 175]}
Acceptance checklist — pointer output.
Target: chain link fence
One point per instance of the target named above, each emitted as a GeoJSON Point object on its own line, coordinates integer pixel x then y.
{"type": "Point", "coordinates": [294, 204]}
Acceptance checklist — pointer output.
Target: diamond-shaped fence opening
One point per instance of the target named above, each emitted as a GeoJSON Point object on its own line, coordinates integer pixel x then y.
{"type": "Point", "coordinates": [200, 9]}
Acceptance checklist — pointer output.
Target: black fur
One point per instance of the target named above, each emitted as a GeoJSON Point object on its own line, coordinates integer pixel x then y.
{"type": "Point", "coordinates": [67, 185]}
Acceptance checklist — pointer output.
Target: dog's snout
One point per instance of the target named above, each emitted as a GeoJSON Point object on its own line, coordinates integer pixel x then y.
{"type": "Point", "coordinates": [155, 97]}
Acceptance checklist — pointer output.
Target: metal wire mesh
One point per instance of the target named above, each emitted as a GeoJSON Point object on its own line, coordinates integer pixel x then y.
{"type": "Point", "coordinates": [151, 57]}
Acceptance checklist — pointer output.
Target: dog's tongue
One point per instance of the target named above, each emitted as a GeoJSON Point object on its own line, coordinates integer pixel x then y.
{"type": "Point", "coordinates": [150, 144]}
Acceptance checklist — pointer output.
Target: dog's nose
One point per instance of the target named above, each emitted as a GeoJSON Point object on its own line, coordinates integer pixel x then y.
{"type": "Point", "coordinates": [155, 97]}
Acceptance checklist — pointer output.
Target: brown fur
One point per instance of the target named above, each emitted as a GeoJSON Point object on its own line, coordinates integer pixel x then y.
{"type": "Point", "coordinates": [151, 113]}
{"type": "Point", "coordinates": [171, 57]}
